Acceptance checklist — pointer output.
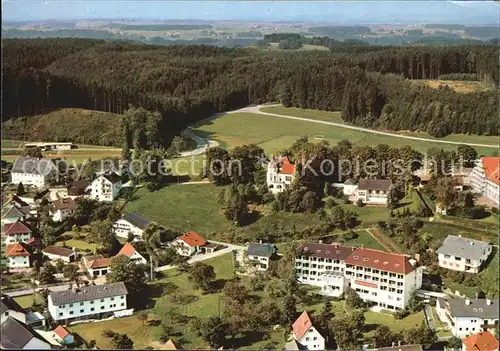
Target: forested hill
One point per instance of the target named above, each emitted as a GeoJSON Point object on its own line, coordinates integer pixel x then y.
{"type": "Point", "coordinates": [188, 83]}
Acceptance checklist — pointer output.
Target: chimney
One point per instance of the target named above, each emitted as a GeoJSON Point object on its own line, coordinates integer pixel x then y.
{"type": "Point", "coordinates": [393, 344]}
{"type": "Point", "coordinates": [417, 257]}
{"type": "Point", "coordinates": [488, 302]}
{"type": "Point", "coordinates": [320, 241]}
{"type": "Point", "coordinates": [467, 302]}
{"type": "Point", "coordinates": [260, 241]}
{"type": "Point", "coordinates": [413, 262]}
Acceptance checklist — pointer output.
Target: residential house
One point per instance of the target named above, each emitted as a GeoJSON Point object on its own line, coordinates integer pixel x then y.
{"type": "Point", "coordinates": [16, 201]}
{"type": "Point", "coordinates": [191, 243]}
{"type": "Point", "coordinates": [19, 255]}
{"type": "Point", "coordinates": [60, 253]}
{"type": "Point", "coordinates": [10, 308]}
{"type": "Point", "coordinates": [134, 256]}
{"type": "Point", "coordinates": [78, 188]}
{"type": "Point", "coordinates": [89, 302]}
{"type": "Point", "coordinates": [63, 336]}
{"type": "Point", "coordinates": [306, 334]}
{"type": "Point", "coordinates": [373, 191]}
{"type": "Point", "coordinates": [96, 265]}
{"type": "Point", "coordinates": [261, 255]}
{"type": "Point", "coordinates": [467, 316]}
{"type": "Point", "coordinates": [463, 254]}
{"type": "Point", "coordinates": [11, 213]}
{"type": "Point", "coordinates": [19, 336]}
{"type": "Point", "coordinates": [482, 341]}
{"type": "Point", "coordinates": [33, 171]}
{"type": "Point", "coordinates": [485, 178]}
{"type": "Point", "coordinates": [16, 232]}
{"type": "Point", "coordinates": [62, 209]}
{"type": "Point", "coordinates": [280, 174]}
{"type": "Point", "coordinates": [348, 187]}
{"type": "Point", "coordinates": [386, 279]}
{"type": "Point", "coordinates": [131, 223]}
{"type": "Point", "coordinates": [106, 186]}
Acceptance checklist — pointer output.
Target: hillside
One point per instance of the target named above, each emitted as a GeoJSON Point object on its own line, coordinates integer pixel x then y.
{"type": "Point", "coordinates": [67, 124]}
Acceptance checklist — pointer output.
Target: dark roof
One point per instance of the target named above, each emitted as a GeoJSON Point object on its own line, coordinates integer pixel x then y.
{"type": "Point", "coordinates": [477, 308]}
{"type": "Point", "coordinates": [262, 250]}
{"type": "Point", "coordinates": [57, 250]}
{"type": "Point", "coordinates": [19, 201]}
{"type": "Point", "coordinates": [64, 204]}
{"type": "Point", "coordinates": [87, 293]}
{"type": "Point", "coordinates": [8, 303]}
{"type": "Point", "coordinates": [78, 187]}
{"type": "Point", "coordinates": [12, 211]}
{"type": "Point", "coordinates": [463, 247]}
{"type": "Point", "coordinates": [33, 165]}
{"type": "Point", "coordinates": [15, 334]}
{"type": "Point", "coordinates": [136, 219]}
{"type": "Point", "coordinates": [112, 177]}
{"type": "Point", "coordinates": [329, 251]}
{"type": "Point", "coordinates": [374, 184]}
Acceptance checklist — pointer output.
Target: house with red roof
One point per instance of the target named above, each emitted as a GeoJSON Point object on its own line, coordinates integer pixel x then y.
{"type": "Point", "coordinates": [192, 243]}
{"type": "Point", "coordinates": [306, 335]}
{"type": "Point", "coordinates": [63, 336]}
{"type": "Point", "coordinates": [96, 265]}
{"type": "Point", "coordinates": [15, 232]}
{"type": "Point", "coordinates": [483, 341]}
{"type": "Point", "coordinates": [280, 174]}
{"type": "Point", "coordinates": [134, 256]}
{"type": "Point", "coordinates": [18, 255]}
{"type": "Point", "coordinates": [485, 178]}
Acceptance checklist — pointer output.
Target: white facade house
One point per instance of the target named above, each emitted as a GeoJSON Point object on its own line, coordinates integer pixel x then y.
{"type": "Point", "coordinates": [106, 187]}
{"type": "Point", "coordinates": [130, 223]}
{"type": "Point", "coordinates": [62, 209]}
{"type": "Point", "coordinates": [304, 332]}
{"type": "Point", "coordinates": [18, 255]}
{"type": "Point", "coordinates": [33, 171]}
{"type": "Point", "coordinates": [280, 174]}
{"type": "Point", "coordinates": [134, 256]}
{"type": "Point", "coordinates": [60, 253]}
{"type": "Point", "coordinates": [485, 178]}
{"type": "Point", "coordinates": [388, 280]}
{"type": "Point", "coordinates": [96, 265]}
{"type": "Point", "coordinates": [466, 316]}
{"type": "Point", "coordinates": [373, 191]}
{"type": "Point", "coordinates": [261, 255]}
{"type": "Point", "coordinates": [16, 335]}
{"type": "Point", "coordinates": [348, 187]}
{"type": "Point", "coordinates": [463, 254]}
{"type": "Point", "coordinates": [93, 301]}
{"type": "Point", "coordinates": [10, 308]}
{"type": "Point", "coordinates": [11, 213]}
{"type": "Point", "coordinates": [189, 244]}
{"type": "Point", "coordinates": [16, 232]}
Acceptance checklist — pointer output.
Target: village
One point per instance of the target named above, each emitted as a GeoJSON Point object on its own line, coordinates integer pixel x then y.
{"type": "Point", "coordinates": [122, 252]}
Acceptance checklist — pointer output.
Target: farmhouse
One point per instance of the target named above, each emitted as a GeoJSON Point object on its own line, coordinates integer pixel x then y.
{"type": "Point", "coordinates": [93, 301]}
{"type": "Point", "coordinates": [62, 209]}
{"type": "Point", "coordinates": [11, 213]}
{"type": "Point", "coordinates": [386, 279]}
{"type": "Point", "coordinates": [60, 253]}
{"type": "Point", "coordinates": [463, 254]}
{"type": "Point", "coordinates": [63, 336]}
{"type": "Point", "coordinates": [261, 254]}
{"type": "Point", "coordinates": [280, 174]}
{"type": "Point", "coordinates": [19, 336]}
{"type": "Point", "coordinates": [19, 255]}
{"type": "Point", "coordinates": [33, 171]}
{"type": "Point", "coordinates": [305, 334]}
{"type": "Point", "coordinates": [485, 178]}
{"type": "Point", "coordinates": [191, 243]}
{"type": "Point", "coordinates": [465, 317]}
{"type": "Point", "coordinates": [10, 308]}
{"type": "Point", "coordinates": [482, 341]}
{"type": "Point", "coordinates": [106, 186]}
{"type": "Point", "coordinates": [134, 256]}
{"type": "Point", "coordinates": [96, 265]}
{"type": "Point", "coordinates": [130, 223]}
{"type": "Point", "coordinates": [16, 232]}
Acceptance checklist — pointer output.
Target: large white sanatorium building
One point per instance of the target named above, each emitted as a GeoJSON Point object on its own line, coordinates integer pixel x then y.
{"type": "Point", "coordinates": [485, 178]}
{"type": "Point", "coordinates": [386, 279]}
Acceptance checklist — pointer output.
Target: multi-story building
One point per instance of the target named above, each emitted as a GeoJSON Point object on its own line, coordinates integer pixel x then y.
{"type": "Point", "coordinates": [485, 178]}
{"type": "Point", "coordinates": [280, 174]}
{"type": "Point", "coordinates": [261, 255]}
{"type": "Point", "coordinates": [93, 301]}
{"type": "Point", "coordinates": [62, 209]}
{"type": "Point", "coordinates": [388, 280]}
{"type": "Point", "coordinates": [19, 255]}
{"type": "Point", "coordinates": [306, 335]}
{"type": "Point", "coordinates": [463, 254]}
{"type": "Point", "coordinates": [466, 316]}
{"type": "Point", "coordinates": [131, 223]}
{"type": "Point", "coordinates": [16, 232]}
{"type": "Point", "coordinates": [33, 171]}
{"type": "Point", "coordinates": [106, 186]}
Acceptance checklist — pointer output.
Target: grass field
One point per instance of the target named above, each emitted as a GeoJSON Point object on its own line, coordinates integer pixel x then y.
{"type": "Point", "coordinates": [81, 246]}
{"type": "Point", "coordinates": [365, 240]}
{"type": "Point", "coordinates": [274, 134]}
{"type": "Point", "coordinates": [409, 322]}
{"type": "Point", "coordinates": [26, 301]}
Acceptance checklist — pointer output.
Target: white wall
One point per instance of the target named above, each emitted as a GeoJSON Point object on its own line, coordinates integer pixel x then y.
{"type": "Point", "coordinates": [261, 262]}
{"type": "Point", "coordinates": [14, 314]}
{"type": "Point", "coordinates": [15, 238]}
{"type": "Point", "coordinates": [37, 344]}
{"type": "Point", "coordinates": [460, 263]}
{"type": "Point", "coordinates": [121, 229]}
{"type": "Point", "coordinates": [61, 215]}
{"type": "Point", "coordinates": [87, 308]}
{"type": "Point", "coordinates": [19, 262]}
{"type": "Point", "coordinates": [104, 190]}
{"type": "Point", "coordinates": [312, 339]}
{"type": "Point", "coordinates": [277, 182]}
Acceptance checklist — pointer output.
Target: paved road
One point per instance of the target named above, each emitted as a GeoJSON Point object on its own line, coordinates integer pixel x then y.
{"type": "Point", "coordinates": [257, 110]}
{"type": "Point", "coordinates": [428, 317]}
{"type": "Point", "coordinates": [201, 144]}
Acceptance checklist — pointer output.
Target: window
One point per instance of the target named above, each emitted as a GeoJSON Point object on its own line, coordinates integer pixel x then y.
{"type": "Point", "coordinates": [60, 314]}
{"type": "Point", "coordinates": [81, 303]}
{"type": "Point", "coordinates": [92, 302]}
{"type": "Point", "coordinates": [112, 299]}
{"type": "Point", "coordinates": [122, 304]}
{"type": "Point", "coordinates": [92, 309]}
{"type": "Point", "coordinates": [102, 300]}
{"type": "Point", "coordinates": [70, 312]}
{"type": "Point", "coordinates": [70, 305]}
{"type": "Point", "coordinates": [81, 311]}
{"type": "Point", "coordinates": [102, 307]}
{"type": "Point", "coordinates": [307, 339]}
{"type": "Point", "coordinates": [6, 314]}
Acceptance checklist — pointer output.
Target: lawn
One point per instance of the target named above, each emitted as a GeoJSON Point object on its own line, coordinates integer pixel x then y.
{"type": "Point", "coordinates": [365, 240]}
{"type": "Point", "coordinates": [369, 215]}
{"type": "Point", "coordinates": [71, 239]}
{"type": "Point", "coordinates": [409, 322]}
{"type": "Point", "coordinates": [190, 166]}
{"type": "Point", "coordinates": [320, 115]}
{"type": "Point", "coordinates": [26, 301]}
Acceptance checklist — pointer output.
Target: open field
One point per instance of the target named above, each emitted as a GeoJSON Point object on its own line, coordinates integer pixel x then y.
{"type": "Point", "coordinates": [460, 86]}
{"type": "Point", "coordinates": [365, 240]}
{"type": "Point", "coordinates": [274, 134]}
{"type": "Point", "coordinates": [305, 47]}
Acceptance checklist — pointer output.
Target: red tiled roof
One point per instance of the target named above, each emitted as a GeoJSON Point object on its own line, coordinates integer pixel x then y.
{"type": "Point", "coordinates": [491, 167]}
{"type": "Point", "coordinates": [64, 204]}
{"type": "Point", "coordinates": [302, 325]}
{"type": "Point", "coordinates": [380, 260]}
{"type": "Point", "coordinates": [193, 239]}
{"type": "Point", "coordinates": [286, 167]}
{"type": "Point", "coordinates": [18, 227]}
{"type": "Point", "coordinates": [17, 249]}
{"type": "Point", "coordinates": [61, 332]}
{"type": "Point", "coordinates": [484, 341]}
{"type": "Point", "coordinates": [127, 250]}
{"type": "Point", "coordinates": [97, 261]}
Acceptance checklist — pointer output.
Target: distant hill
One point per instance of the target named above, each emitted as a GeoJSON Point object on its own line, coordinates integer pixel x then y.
{"type": "Point", "coordinates": [67, 124]}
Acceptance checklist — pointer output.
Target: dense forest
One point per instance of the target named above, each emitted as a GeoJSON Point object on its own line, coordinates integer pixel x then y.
{"type": "Point", "coordinates": [187, 83]}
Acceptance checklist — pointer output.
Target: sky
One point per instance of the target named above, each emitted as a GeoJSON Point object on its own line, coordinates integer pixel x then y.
{"type": "Point", "coordinates": [348, 12]}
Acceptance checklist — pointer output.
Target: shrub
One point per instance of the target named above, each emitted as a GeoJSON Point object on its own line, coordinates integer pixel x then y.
{"type": "Point", "coordinates": [107, 333]}
{"type": "Point", "coordinates": [400, 314]}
